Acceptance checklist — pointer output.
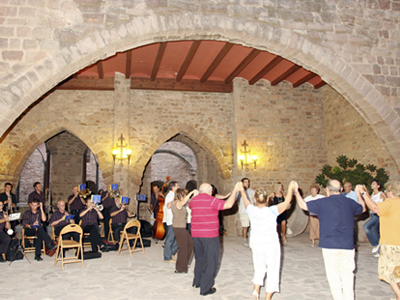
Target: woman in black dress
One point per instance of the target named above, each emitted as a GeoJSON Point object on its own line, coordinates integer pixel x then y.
{"type": "Point", "coordinates": [282, 218]}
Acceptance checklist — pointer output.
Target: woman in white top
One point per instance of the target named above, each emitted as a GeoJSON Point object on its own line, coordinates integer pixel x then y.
{"type": "Point", "coordinates": [371, 227]}
{"type": "Point", "coordinates": [313, 218]}
{"type": "Point", "coordinates": [264, 240]}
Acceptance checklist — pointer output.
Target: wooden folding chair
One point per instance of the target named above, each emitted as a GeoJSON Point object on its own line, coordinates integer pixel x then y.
{"type": "Point", "coordinates": [126, 237]}
{"type": "Point", "coordinates": [31, 239]}
{"type": "Point", "coordinates": [70, 244]}
{"type": "Point", "coordinates": [85, 235]}
{"type": "Point", "coordinates": [110, 232]}
{"type": "Point", "coordinates": [54, 237]}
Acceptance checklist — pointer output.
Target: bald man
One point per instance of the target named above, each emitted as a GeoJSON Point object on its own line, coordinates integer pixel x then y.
{"type": "Point", "coordinates": [336, 216]}
{"type": "Point", "coordinates": [205, 234]}
{"type": "Point", "coordinates": [58, 221]}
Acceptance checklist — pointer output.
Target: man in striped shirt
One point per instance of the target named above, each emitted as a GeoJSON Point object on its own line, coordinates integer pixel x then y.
{"type": "Point", "coordinates": [205, 234]}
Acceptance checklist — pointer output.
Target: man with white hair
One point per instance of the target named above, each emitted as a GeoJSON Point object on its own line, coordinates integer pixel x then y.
{"type": "Point", "coordinates": [336, 216]}
{"type": "Point", "coordinates": [205, 234]}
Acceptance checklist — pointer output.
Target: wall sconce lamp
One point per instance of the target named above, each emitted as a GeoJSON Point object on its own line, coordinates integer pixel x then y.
{"type": "Point", "coordinates": [121, 151]}
{"type": "Point", "coordinates": [246, 158]}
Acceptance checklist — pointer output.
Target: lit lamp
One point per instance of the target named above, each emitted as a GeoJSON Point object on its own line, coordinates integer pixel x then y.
{"type": "Point", "coordinates": [121, 151]}
{"type": "Point", "coordinates": [245, 155]}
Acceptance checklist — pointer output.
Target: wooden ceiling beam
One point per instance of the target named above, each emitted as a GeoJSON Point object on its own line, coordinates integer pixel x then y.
{"type": "Point", "coordinates": [188, 60]}
{"type": "Point", "coordinates": [100, 69]}
{"type": "Point", "coordinates": [128, 64]}
{"type": "Point", "coordinates": [265, 70]}
{"type": "Point", "coordinates": [249, 58]}
{"type": "Point", "coordinates": [157, 63]}
{"type": "Point", "coordinates": [286, 74]}
{"type": "Point", "coordinates": [303, 80]}
{"type": "Point", "coordinates": [185, 85]}
{"type": "Point", "coordinates": [318, 85]}
{"type": "Point", "coordinates": [224, 51]}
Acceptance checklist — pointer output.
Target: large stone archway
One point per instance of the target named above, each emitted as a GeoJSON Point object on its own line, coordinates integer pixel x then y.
{"type": "Point", "coordinates": [354, 79]}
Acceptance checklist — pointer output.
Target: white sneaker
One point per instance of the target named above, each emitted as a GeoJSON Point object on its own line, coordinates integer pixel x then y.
{"type": "Point", "coordinates": [246, 244]}
{"type": "Point", "coordinates": [376, 249]}
{"type": "Point", "coordinates": [376, 254]}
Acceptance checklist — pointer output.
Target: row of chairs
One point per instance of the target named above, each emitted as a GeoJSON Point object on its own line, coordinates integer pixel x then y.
{"type": "Point", "coordinates": [125, 238]}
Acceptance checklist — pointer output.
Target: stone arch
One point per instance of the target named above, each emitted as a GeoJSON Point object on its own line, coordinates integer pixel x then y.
{"type": "Point", "coordinates": [40, 136]}
{"type": "Point", "coordinates": [190, 132]}
{"type": "Point", "coordinates": [338, 73]}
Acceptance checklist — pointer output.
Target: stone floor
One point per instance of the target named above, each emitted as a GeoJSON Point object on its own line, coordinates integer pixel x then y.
{"type": "Point", "coordinates": [148, 277]}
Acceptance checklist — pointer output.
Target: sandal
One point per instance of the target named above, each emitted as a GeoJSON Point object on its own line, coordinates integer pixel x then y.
{"type": "Point", "coordinates": [255, 294]}
{"type": "Point", "coordinates": [284, 240]}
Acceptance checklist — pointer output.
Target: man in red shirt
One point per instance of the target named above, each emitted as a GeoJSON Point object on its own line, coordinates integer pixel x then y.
{"type": "Point", "coordinates": [205, 234]}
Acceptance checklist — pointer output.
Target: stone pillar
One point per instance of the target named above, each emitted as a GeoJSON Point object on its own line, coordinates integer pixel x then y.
{"type": "Point", "coordinates": [122, 127]}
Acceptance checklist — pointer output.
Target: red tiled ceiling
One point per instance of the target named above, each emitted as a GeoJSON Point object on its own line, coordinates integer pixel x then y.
{"type": "Point", "coordinates": [174, 56]}
{"type": "Point", "coordinates": [281, 68]}
{"type": "Point", "coordinates": [296, 76]}
{"type": "Point", "coordinates": [205, 55]}
{"type": "Point", "coordinates": [234, 57]}
{"type": "Point", "coordinates": [143, 60]}
{"type": "Point", "coordinates": [116, 63]}
{"type": "Point", "coordinates": [257, 65]}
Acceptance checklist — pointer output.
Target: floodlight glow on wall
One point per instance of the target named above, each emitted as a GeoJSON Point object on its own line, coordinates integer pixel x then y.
{"type": "Point", "coordinates": [121, 151]}
{"type": "Point", "coordinates": [246, 158]}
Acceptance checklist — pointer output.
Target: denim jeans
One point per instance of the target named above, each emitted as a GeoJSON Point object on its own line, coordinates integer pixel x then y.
{"type": "Point", "coordinates": [171, 246]}
{"type": "Point", "coordinates": [371, 229]}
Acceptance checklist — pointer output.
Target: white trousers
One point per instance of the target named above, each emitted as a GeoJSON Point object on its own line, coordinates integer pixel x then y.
{"type": "Point", "coordinates": [267, 259]}
{"type": "Point", "coordinates": [339, 267]}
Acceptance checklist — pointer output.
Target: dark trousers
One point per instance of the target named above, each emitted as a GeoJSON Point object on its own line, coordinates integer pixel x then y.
{"type": "Point", "coordinates": [74, 235]}
{"type": "Point", "coordinates": [5, 240]}
{"type": "Point", "coordinates": [106, 215]}
{"type": "Point", "coordinates": [76, 212]}
{"type": "Point", "coordinates": [41, 236]}
{"type": "Point", "coordinates": [117, 228]}
{"type": "Point", "coordinates": [206, 253]}
{"type": "Point", "coordinates": [94, 236]}
{"type": "Point", "coordinates": [185, 248]}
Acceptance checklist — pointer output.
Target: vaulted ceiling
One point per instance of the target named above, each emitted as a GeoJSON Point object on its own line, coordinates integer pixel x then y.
{"type": "Point", "coordinates": [208, 66]}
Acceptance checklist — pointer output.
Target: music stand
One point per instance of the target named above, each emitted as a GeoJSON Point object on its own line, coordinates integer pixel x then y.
{"type": "Point", "coordinates": [19, 249]}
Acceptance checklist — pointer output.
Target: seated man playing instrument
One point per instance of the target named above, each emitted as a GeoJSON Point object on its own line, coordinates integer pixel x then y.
{"type": "Point", "coordinates": [32, 222]}
{"type": "Point", "coordinates": [119, 214]}
{"type": "Point", "coordinates": [5, 239]}
{"type": "Point", "coordinates": [58, 221]}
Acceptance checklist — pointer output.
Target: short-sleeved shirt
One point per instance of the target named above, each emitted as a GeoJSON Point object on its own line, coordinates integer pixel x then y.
{"type": "Point", "coordinates": [167, 211]}
{"type": "Point", "coordinates": [336, 217]}
{"type": "Point", "coordinates": [107, 201]}
{"type": "Point", "coordinates": [35, 195]}
{"type": "Point", "coordinates": [250, 195]}
{"type": "Point", "coordinates": [57, 215]}
{"type": "Point", "coordinates": [311, 198]}
{"type": "Point", "coordinates": [30, 218]}
{"type": "Point", "coordinates": [4, 197]}
{"type": "Point", "coordinates": [90, 218]}
{"type": "Point", "coordinates": [76, 204]}
{"type": "Point", "coordinates": [205, 208]}
{"type": "Point", "coordinates": [263, 225]}
{"type": "Point", "coordinates": [389, 217]}
{"type": "Point", "coordinates": [2, 225]}
{"type": "Point", "coordinates": [351, 195]}
{"type": "Point", "coordinates": [119, 217]}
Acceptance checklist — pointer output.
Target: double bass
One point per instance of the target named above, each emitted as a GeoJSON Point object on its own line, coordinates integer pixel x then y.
{"type": "Point", "coordinates": [158, 226]}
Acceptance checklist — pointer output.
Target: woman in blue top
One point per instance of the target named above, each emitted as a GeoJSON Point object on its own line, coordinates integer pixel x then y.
{"type": "Point", "coordinates": [264, 240]}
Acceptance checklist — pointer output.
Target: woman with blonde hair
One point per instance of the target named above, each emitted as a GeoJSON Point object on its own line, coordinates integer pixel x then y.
{"type": "Point", "coordinates": [264, 240]}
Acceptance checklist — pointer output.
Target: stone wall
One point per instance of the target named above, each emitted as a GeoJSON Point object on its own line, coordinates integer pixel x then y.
{"type": "Point", "coordinates": [348, 134]}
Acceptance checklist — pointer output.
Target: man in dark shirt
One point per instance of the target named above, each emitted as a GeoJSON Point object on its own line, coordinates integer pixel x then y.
{"type": "Point", "coordinates": [336, 216]}
{"type": "Point", "coordinates": [90, 224]}
{"type": "Point", "coordinates": [119, 214]}
{"type": "Point", "coordinates": [76, 203]}
{"type": "Point", "coordinates": [8, 198]}
{"type": "Point", "coordinates": [37, 194]}
{"type": "Point", "coordinates": [58, 221]}
{"type": "Point", "coordinates": [108, 202]}
{"type": "Point", "coordinates": [35, 216]}
{"type": "Point", "coordinates": [5, 239]}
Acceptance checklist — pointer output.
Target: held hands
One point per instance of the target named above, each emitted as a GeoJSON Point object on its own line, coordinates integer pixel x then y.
{"type": "Point", "coordinates": [238, 186]}
{"type": "Point", "coordinates": [195, 193]}
{"type": "Point", "coordinates": [360, 189]}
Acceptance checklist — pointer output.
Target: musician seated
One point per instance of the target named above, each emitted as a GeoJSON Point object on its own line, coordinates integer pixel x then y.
{"type": "Point", "coordinates": [76, 203]}
{"type": "Point", "coordinates": [33, 223]}
{"type": "Point", "coordinates": [10, 202]}
{"type": "Point", "coordinates": [5, 239]}
{"type": "Point", "coordinates": [119, 214]}
{"type": "Point", "coordinates": [58, 222]}
{"type": "Point", "coordinates": [90, 224]}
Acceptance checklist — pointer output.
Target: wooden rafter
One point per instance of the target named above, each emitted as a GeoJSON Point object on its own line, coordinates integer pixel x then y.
{"type": "Point", "coordinates": [289, 72]}
{"type": "Point", "coordinates": [249, 58]}
{"type": "Point", "coordinates": [188, 60]}
{"type": "Point", "coordinates": [224, 51]}
{"type": "Point", "coordinates": [100, 69]}
{"type": "Point", "coordinates": [128, 64]}
{"type": "Point", "coordinates": [158, 60]}
{"type": "Point", "coordinates": [304, 79]}
{"type": "Point", "coordinates": [265, 70]}
{"type": "Point", "coordinates": [318, 85]}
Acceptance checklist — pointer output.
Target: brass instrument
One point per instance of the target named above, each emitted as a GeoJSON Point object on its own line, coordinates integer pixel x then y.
{"type": "Point", "coordinates": [85, 193]}
{"type": "Point", "coordinates": [115, 193]}
{"type": "Point", "coordinates": [99, 207]}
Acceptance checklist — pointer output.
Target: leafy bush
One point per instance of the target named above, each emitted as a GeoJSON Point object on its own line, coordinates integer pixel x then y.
{"type": "Point", "coordinates": [352, 171]}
